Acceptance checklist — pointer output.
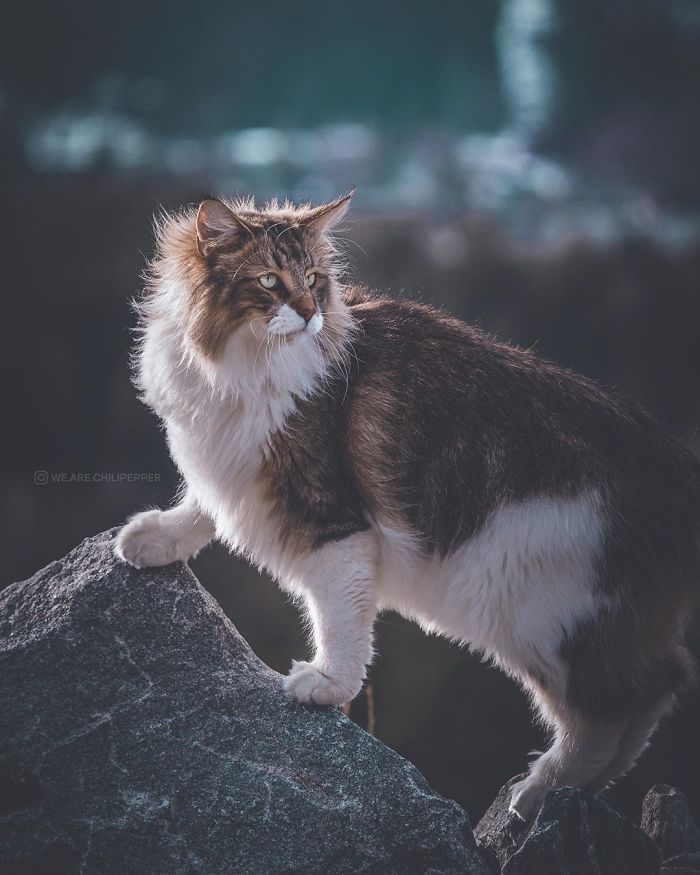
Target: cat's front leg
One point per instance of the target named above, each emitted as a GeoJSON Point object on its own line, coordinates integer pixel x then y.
{"type": "Point", "coordinates": [338, 583]}
{"type": "Point", "coordinates": [159, 537]}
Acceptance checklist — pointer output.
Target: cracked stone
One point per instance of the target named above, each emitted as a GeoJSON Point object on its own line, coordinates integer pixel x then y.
{"type": "Point", "coordinates": [667, 820]}
{"type": "Point", "coordinates": [684, 864]}
{"type": "Point", "coordinates": [141, 734]}
{"type": "Point", "coordinates": [574, 833]}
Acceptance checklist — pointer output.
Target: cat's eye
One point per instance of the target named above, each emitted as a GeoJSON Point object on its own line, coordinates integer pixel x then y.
{"type": "Point", "coordinates": [268, 280]}
{"type": "Point", "coordinates": [310, 279]}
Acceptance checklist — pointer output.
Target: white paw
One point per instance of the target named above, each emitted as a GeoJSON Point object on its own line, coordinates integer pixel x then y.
{"type": "Point", "coordinates": [307, 684]}
{"type": "Point", "coordinates": [526, 798]}
{"type": "Point", "coordinates": [145, 542]}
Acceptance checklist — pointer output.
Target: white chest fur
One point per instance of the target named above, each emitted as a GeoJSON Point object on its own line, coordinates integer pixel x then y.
{"type": "Point", "coordinates": [220, 462]}
{"type": "Point", "coordinates": [218, 420]}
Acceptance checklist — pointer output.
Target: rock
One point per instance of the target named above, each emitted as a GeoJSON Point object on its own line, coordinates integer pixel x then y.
{"type": "Point", "coordinates": [499, 833]}
{"type": "Point", "coordinates": [684, 864]}
{"type": "Point", "coordinates": [142, 735]}
{"type": "Point", "coordinates": [667, 820]}
{"type": "Point", "coordinates": [581, 835]}
{"type": "Point", "coordinates": [574, 834]}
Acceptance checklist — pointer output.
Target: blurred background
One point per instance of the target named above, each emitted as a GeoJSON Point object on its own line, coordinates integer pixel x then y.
{"type": "Point", "coordinates": [531, 165]}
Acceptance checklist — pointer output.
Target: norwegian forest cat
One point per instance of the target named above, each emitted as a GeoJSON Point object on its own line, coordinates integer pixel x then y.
{"type": "Point", "coordinates": [374, 454]}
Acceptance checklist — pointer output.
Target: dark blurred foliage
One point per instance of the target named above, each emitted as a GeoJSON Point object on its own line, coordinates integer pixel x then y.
{"type": "Point", "coordinates": [610, 84]}
{"type": "Point", "coordinates": [530, 165]}
{"type": "Point", "coordinates": [224, 64]}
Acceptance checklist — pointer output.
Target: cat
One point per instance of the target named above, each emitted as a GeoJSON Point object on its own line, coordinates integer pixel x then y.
{"type": "Point", "coordinates": [379, 454]}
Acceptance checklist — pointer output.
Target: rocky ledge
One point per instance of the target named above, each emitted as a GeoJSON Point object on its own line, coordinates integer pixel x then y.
{"type": "Point", "coordinates": [140, 734]}
{"type": "Point", "coordinates": [578, 834]}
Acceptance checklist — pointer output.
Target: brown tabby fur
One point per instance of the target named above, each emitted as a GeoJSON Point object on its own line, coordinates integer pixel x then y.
{"type": "Point", "coordinates": [432, 425]}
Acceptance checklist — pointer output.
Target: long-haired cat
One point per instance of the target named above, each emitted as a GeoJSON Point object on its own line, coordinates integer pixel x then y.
{"type": "Point", "coordinates": [373, 454]}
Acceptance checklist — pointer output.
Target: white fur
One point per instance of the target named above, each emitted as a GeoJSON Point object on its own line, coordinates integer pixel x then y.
{"type": "Point", "coordinates": [157, 537]}
{"type": "Point", "coordinates": [513, 590]}
{"type": "Point", "coordinates": [287, 321]}
{"type": "Point", "coordinates": [338, 584]}
{"type": "Point", "coordinates": [316, 322]}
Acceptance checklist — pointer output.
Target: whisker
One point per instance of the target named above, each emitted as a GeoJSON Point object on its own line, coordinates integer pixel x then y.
{"type": "Point", "coordinates": [276, 225]}
{"type": "Point", "coordinates": [283, 232]}
{"type": "Point", "coordinates": [260, 346]}
{"type": "Point", "coordinates": [354, 243]}
{"type": "Point", "coordinates": [244, 262]}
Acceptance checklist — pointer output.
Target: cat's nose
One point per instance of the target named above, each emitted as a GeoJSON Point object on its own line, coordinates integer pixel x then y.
{"type": "Point", "coordinates": [306, 308]}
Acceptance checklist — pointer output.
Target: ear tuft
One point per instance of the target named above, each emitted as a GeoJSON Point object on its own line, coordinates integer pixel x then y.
{"type": "Point", "coordinates": [215, 224]}
{"type": "Point", "coordinates": [325, 217]}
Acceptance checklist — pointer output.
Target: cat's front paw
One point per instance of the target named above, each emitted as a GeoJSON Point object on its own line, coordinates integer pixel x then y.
{"type": "Point", "coordinates": [527, 796]}
{"type": "Point", "coordinates": [307, 684]}
{"type": "Point", "coordinates": [146, 543]}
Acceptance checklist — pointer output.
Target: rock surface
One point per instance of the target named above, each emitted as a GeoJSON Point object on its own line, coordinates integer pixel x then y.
{"type": "Point", "coordinates": [574, 834]}
{"type": "Point", "coordinates": [141, 735]}
{"type": "Point", "coordinates": [499, 833]}
{"type": "Point", "coordinates": [667, 820]}
{"type": "Point", "coordinates": [581, 835]}
{"type": "Point", "coordinates": [684, 864]}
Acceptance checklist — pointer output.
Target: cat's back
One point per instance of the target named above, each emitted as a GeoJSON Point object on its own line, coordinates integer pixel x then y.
{"type": "Point", "coordinates": [435, 366]}
{"type": "Point", "coordinates": [437, 370]}
{"type": "Point", "coordinates": [452, 424]}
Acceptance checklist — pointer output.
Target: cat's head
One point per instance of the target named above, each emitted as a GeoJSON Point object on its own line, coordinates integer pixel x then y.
{"type": "Point", "coordinates": [266, 276]}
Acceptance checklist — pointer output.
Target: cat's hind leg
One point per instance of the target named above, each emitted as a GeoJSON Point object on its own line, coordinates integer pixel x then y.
{"type": "Point", "coordinates": [337, 583]}
{"type": "Point", "coordinates": [633, 742]}
{"type": "Point", "coordinates": [159, 537]}
{"type": "Point", "coordinates": [604, 717]}
{"type": "Point", "coordinates": [581, 750]}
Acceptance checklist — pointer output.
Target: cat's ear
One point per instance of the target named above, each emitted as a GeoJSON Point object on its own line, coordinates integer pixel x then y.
{"type": "Point", "coordinates": [325, 217]}
{"type": "Point", "coordinates": [216, 224]}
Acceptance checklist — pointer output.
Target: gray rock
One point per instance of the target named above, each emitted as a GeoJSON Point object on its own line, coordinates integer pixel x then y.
{"type": "Point", "coordinates": [499, 833]}
{"type": "Point", "coordinates": [578, 834]}
{"type": "Point", "coordinates": [140, 734]}
{"type": "Point", "coordinates": [574, 834]}
{"type": "Point", "coordinates": [684, 864]}
{"type": "Point", "coordinates": [667, 820]}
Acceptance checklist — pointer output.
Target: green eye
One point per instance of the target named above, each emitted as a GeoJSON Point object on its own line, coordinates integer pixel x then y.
{"type": "Point", "coordinates": [268, 280]}
{"type": "Point", "coordinates": [310, 279]}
